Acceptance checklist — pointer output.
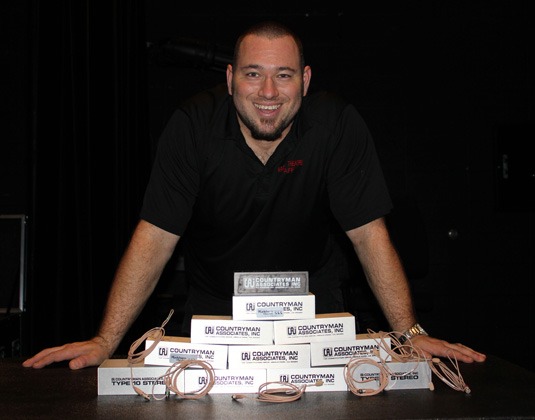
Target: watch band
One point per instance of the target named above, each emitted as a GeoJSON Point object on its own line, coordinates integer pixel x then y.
{"type": "Point", "coordinates": [413, 331]}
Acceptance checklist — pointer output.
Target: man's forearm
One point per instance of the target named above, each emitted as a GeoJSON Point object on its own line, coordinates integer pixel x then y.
{"type": "Point", "coordinates": [384, 273]}
{"type": "Point", "coordinates": [393, 294]}
{"type": "Point", "coordinates": [137, 275]}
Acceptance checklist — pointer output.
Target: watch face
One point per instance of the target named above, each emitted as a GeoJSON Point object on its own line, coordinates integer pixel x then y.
{"type": "Point", "coordinates": [414, 331]}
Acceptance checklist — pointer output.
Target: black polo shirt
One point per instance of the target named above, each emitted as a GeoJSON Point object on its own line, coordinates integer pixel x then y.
{"type": "Point", "coordinates": [235, 214]}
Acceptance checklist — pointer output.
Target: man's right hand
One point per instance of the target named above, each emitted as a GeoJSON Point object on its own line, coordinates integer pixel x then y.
{"type": "Point", "coordinates": [81, 354]}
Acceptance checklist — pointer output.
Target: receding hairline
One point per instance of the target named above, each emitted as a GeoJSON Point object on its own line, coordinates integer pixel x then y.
{"type": "Point", "coordinates": [270, 30]}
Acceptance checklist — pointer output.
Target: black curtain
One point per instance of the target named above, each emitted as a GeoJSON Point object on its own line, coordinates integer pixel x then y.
{"type": "Point", "coordinates": [91, 156]}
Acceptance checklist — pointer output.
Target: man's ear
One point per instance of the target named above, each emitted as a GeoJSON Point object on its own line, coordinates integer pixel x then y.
{"type": "Point", "coordinates": [229, 79]}
{"type": "Point", "coordinates": [307, 75]}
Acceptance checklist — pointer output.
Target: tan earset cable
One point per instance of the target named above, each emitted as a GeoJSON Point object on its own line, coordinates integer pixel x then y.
{"type": "Point", "coordinates": [453, 379]}
{"type": "Point", "coordinates": [285, 392]}
{"type": "Point", "coordinates": [352, 382]}
{"type": "Point", "coordinates": [170, 377]}
{"type": "Point", "coordinates": [172, 374]}
{"type": "Point", "coordinates": [288, 392]}
{"type": "Point", "coordinates": [405, 352]}
{"type": "Point", "coordinates": [156, 334]}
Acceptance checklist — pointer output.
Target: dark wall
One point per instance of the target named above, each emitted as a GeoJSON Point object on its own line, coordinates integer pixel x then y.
{"type": "Point", "coordinates": [15, 94]}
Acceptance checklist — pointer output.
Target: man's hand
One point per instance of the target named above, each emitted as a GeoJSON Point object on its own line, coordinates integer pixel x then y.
{"type": "Point", "coordinates": [81, 354]}
{"type": "Point", "coordinates": [440, 348]}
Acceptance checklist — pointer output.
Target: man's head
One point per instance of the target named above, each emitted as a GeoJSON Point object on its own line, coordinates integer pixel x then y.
{"type": "Point", "coordinates": [268, 79]}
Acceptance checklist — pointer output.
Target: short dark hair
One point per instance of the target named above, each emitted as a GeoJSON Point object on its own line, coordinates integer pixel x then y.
{"type": "Point", "coordinates": [270, 29]}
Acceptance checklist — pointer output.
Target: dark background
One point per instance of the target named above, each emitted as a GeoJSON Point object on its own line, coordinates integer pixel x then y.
{"type": "Point", "coordinates": [445, 87]}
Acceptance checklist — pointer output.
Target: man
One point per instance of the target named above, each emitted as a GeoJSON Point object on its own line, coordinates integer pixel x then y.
{"type": "Point", "coordinates": [254, 178]}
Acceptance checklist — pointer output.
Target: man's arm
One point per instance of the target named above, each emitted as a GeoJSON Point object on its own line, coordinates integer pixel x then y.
{"type": "Point", "coordinates": [385, 275]}
{"type": "Point", "coordinates": [141, 266]}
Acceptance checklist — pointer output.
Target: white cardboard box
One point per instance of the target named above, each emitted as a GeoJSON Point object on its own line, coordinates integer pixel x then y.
{"type": "Point", "coordinates": [324, 327]}
{"type": "Point", "coordinates": [401, 375]}
{"type": "Point", "coordinates": [227, 381]}
{"type": "Point", "coordinates": [210, 329]}
{"type": "Point", "coordinates": [335, 353]}
{"type": "Point", "coordinates": [170, 350]}
{"type": "Point", "coordinates": [330, 378]}
{"type": "Point", "coordinates": [114, 378]}
{"type": "Point", "coordinates": [270, 356]}
{"type": "Point", "coordinates": [273, 307]}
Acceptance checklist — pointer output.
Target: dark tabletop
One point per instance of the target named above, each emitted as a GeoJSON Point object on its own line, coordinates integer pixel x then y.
{"type": "Point", "coordinates": [499, 389]}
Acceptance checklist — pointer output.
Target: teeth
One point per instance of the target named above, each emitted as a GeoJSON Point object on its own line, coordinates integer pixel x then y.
{"type": "Point", "coordinates": [267, 107]}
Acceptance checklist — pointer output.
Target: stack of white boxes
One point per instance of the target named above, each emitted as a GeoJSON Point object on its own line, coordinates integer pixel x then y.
{"type": "Point", "coordinates": [273, 335]}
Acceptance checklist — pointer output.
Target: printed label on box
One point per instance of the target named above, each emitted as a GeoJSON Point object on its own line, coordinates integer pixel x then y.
{"type": "Point", "coordinates": [285, 356]}
{"type": "Point", "coordinates": [170, 350]}
{"type": "Point", "coordinates": [315, 379]}
{"type": "Point", "coordinates": [115, 378]}
{"type": "Point", "coordinates": [333, 327]}
{"type": "Point", "coordinates": [271, 283]}
{"type": "Point", "coordinates": [332, 353]}
{"type": "Point", "coordinates": [227, 381]}
{"type": "Point", "coordinates": [224, 330]}
{"type": "Point", "coordinates": [247, 307]}
{"type": "Point", "coordinates": [401, 375]}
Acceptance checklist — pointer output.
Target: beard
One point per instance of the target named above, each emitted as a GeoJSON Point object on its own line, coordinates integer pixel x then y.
{"type": "Point", "coordinates": [267, 130]}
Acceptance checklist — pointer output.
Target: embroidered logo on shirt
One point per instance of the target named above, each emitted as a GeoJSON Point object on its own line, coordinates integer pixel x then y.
{"type": "Point", "coordinates": [290, 166]}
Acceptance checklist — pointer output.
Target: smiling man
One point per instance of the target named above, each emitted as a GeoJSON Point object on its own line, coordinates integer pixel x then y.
{"type": "Point", "coordinates": [254, 176]}
{"type": "Point", "coordinates": [267, 82]}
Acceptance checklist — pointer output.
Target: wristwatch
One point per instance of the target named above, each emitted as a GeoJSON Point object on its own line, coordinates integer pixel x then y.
{"type": "Point", "coordinates": [413, 331]}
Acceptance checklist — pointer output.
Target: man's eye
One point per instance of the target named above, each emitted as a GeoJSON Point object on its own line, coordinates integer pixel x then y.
{"type": "Point", "coordinates": [252, 74]}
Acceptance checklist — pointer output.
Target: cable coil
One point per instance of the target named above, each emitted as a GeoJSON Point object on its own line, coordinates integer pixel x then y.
{"type": "Point", "coordinates": [170, 377]}
{"type": "Point", "coordinates": [283, 392]}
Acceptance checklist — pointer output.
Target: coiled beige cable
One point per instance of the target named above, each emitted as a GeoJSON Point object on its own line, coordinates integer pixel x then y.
{"type": "Point", "coordinates": [353, 383]}
{"type": "Point", "coordinates": [407, 352]}
{"type": "Point", "coordinates": [170, 377]}
{"type": "Point", "coordinates": [283, 393]}
{"type": "Point", "coordinates": [172, 374]}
